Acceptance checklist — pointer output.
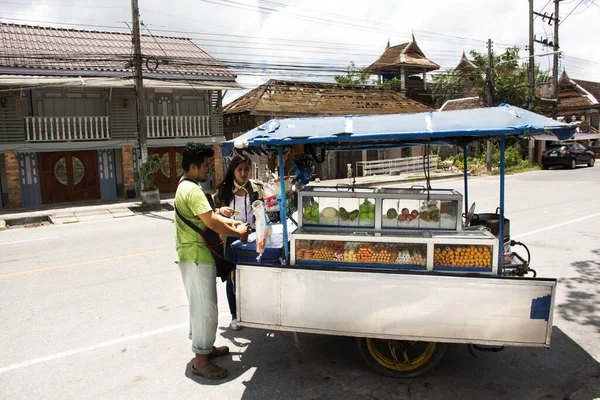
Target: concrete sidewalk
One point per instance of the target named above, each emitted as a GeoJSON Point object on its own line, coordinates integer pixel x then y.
{"type": "Point", "coordinates": [67, 214]}
{"type": "Point", "coordinates": [120, 208]}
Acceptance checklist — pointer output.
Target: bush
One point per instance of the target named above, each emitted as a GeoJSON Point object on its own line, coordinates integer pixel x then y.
{"type": "Point", "coordinates": [147, 171]}
{"type": "Point", "coordinates": [512, 158]}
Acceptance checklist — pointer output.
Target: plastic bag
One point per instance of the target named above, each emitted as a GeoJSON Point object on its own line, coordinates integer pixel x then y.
{"type": "Point", "coordinates": [262, 230]}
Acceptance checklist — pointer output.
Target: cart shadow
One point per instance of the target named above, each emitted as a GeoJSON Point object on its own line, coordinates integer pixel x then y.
{"type": "Point", "coordinates": [330, 367]}
{"type": "Point", "coordinates": [582, 305]}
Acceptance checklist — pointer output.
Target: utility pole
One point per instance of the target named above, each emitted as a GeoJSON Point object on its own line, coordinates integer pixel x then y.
{"type": "Point", "coordinates": [531, 62]}
{"type": "Point", "coordinates": [555, 67]}
{"type": "Point", "coordinates": [139, 82]}
{"type": "Point", "coordinates": [490, 98]}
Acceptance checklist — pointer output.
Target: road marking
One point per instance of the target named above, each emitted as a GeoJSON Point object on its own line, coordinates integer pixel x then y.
{"type": "Point", "coordinates": [101, 345]}
{"type": "Point", "coordinates": [34, 271]}
{"type": "Point", "coordinates": [557, 225]}
{"type": "Point", "coordinates": [93, 347]}
{"type": "Point", "coordinates": [30, 240]}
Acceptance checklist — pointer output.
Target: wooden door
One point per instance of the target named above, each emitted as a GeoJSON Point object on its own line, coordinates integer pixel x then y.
{"type": "Point", "coordinates": [167, 177]}
{"type": "Point", "coordinates": [69, 176]}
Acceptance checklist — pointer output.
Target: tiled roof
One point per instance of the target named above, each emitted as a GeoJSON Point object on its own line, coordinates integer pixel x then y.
{"type": "Point", "coordinates": [465, 63]}
{"type": "Point", "coordinates": [462, 104]}
{"type": "Point", "coordinates": [592, 88]}
{"type": "Point", "coordinates": [575, 93]}
{"type": "Point", "coordinates": [25, 49]}
{"type": "Point", "coordinates": [295, 98]}
{"type": "Point", "coordinates": [407, 54]}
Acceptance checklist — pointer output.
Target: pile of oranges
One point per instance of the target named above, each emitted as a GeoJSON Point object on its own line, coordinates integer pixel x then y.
{"type": "Point", "coordinates": [463, 256]}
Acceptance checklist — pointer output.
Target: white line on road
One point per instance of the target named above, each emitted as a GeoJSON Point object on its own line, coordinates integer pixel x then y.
{"type": "Point", "coordinates": [30, 240]}
{"type": "Point", "coordinates": [90, 348]}
{"type": "Point", "coordinates": [557, 225]}
{"type": "Point", "coordinates": [101, 345]}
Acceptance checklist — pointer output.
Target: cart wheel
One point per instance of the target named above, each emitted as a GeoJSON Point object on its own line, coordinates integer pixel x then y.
{"type": "Point", "coordinates": [400, 358]}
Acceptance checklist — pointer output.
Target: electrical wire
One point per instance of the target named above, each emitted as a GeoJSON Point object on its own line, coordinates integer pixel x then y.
{"type": "Point", "coordinates": [574, 8]}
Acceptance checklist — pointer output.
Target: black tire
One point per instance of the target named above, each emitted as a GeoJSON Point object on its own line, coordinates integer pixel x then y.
{"type": "Point", "coordinates": [544, 166]}
{"type": "Point", "coordinates": [591, 162]}
{"type": "Point", "coordinates": [421, 356]}
{"type": "Point", "coordinates": [573, 163]}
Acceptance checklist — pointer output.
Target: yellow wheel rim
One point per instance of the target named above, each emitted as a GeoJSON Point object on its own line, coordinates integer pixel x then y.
{"type": "Point", "coordinates": [399, 355]}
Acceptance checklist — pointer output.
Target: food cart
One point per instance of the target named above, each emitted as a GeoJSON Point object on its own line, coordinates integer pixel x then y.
{"type": "Point", "coordinates": [399, 269]}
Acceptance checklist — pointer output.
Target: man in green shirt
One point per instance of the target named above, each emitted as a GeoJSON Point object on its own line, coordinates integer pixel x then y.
{"type": "Point", "coordinates": [195, 259]}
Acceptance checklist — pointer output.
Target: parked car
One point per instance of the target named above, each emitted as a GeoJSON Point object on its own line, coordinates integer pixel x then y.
{"type": "Point", "coordinates": [567, 155]}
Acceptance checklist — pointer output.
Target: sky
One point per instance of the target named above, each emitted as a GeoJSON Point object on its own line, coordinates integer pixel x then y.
{"type": "Point", "coordinates": [315, 40]}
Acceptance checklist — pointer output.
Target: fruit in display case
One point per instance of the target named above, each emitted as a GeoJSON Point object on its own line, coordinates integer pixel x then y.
{"type": "Point", "coordinates": [430, 214]}
{"type": "Point", "coordinates": [366, 215]}
{"type": "Point", "coordinates": [391, 213]}
{"type": "Point", "coordinates": [463, 256]}
{"type": "Point", "coordinates": [310, 213]}
{"type": "Point", "coordinates": [408, 219]}
{"type": "Point", "coordinates": [329, 216]}
{"type": "Point", "coordinates": [329, 212]}
{"type": "Point", "coordinates": [390, 218]}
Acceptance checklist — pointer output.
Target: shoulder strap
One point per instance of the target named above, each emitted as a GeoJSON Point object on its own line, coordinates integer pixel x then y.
{"type": "Point", "coordinates": [187, 222]}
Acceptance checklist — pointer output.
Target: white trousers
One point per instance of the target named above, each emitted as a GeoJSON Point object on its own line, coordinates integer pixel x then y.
{"type": "Point", "coordinates": [200, 285]}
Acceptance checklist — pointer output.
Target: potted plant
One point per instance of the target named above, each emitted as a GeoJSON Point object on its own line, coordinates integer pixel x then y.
{"type": "Point", "coordinates": [150, 193]}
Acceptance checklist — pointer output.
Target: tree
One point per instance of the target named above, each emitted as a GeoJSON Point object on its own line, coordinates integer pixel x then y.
{"type": "Point", "coordinates": [354, 76]}
{"type": "Point", "coordinates": [510, 79]}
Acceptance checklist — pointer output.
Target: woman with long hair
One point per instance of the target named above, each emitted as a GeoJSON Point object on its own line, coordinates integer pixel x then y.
{"type": "Point", "coordinates": [233, 198]}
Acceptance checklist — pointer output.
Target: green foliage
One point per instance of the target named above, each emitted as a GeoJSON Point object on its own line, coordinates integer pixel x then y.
{"type": "Point", "coordinates": [354, 76]}
{"type": "Point", "coordinates": [510, 80]}
{"type": "Point", "coordinates": [512, 159]}
{"type": "Point", "coordinates": [147, 171]}
{"type": "Point", "coordinates": [391, 84]}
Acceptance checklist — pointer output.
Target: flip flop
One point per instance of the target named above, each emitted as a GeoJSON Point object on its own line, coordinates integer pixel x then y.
{"type": "Point", "coordinates": [218, 352]}
{"type": "Point", "coordinates": [211, 371]}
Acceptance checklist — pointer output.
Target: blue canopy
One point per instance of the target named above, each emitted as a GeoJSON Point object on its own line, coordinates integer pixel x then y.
{"type": "Point", "coordinates": [397, 130]}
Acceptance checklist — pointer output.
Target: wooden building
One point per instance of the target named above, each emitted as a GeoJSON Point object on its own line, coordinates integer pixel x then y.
{"type": "Point", "coordinates": [68, 124]}
{"type": "Point", "coordinates": [278, 99]}
{"type": "Point", "coordinates": [408, 64]}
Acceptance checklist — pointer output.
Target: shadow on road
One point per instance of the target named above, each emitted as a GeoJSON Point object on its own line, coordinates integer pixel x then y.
{"type": "Point", "coordinates": [583, 296]}
{"type": "Point", "coordinates": [329, 367]}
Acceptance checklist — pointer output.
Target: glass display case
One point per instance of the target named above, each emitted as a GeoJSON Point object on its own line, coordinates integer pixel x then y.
{"type": "Point", "coordinates": [463, 251]}
{"type": "Point", "coordinates": [360, 249]}
{"type": "Point", "coordinates": [380, 208]}
{"type": "Point", "coordinates": [475, 251]}
{"type": "Point", "coordinates": [334, 207]}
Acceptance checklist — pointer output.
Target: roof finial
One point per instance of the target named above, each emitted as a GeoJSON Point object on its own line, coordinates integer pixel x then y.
{"type": "Point", "coordinates": [413, 37]}
{"type": "Point", "coordinates": [388, 44]}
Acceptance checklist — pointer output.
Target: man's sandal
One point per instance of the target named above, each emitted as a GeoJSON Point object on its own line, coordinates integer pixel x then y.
{"type": "Point", "coordinates": [218, 352]}
{"type": "Point", "coordinates": [211, 371]}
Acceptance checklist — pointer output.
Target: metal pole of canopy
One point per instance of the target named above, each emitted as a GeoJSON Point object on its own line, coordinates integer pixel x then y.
{"type": "Point", "coordinates": [501, 227]}
{"type": "Point", "coordinates": [465, 173]}
{"type": "Point", "coordinates": [282, 206]}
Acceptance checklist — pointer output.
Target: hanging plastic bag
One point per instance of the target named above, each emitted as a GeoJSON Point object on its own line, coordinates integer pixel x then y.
{"type": "Point", "coordinates": [262, 230]}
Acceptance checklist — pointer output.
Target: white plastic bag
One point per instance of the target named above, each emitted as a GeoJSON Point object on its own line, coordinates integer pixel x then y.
{"type": "Point", "coordinates": [262, 230]}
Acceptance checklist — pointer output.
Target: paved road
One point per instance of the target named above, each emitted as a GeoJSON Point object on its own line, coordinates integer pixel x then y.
{"type": "Point", "coordinates": [97, 310]}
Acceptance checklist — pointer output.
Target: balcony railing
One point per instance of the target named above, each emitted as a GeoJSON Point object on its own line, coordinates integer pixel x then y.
{"type": "Point", "coordinates": [177, 126]}
{"type": "Point", "coordinates": [65, 129]}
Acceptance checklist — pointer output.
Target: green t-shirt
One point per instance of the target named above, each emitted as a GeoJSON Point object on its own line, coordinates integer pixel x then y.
{"type": "Point", "coordinates": [191, 202]}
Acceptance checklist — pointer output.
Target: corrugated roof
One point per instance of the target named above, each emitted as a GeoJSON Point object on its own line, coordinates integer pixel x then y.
{"type": "Point", "coordinates": [407, 54]}
{"type": "Point", "coordinates": [462, 104]}
{"type": "Point", "coordinates": [67, 51]}
{"type": "Point", "coordinates": [278, 97]}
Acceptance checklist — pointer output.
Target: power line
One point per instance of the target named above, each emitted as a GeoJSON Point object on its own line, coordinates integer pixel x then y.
{"type": "Point", "coordinates": [571, 12]}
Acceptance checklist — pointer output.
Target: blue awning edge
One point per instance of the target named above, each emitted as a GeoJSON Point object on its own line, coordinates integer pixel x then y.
{"type": "Point", "coordinates": [384, 131]}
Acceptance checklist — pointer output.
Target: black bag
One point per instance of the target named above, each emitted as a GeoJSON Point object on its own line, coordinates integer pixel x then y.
{"type": "Point", "coordinates": [215, 245]}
